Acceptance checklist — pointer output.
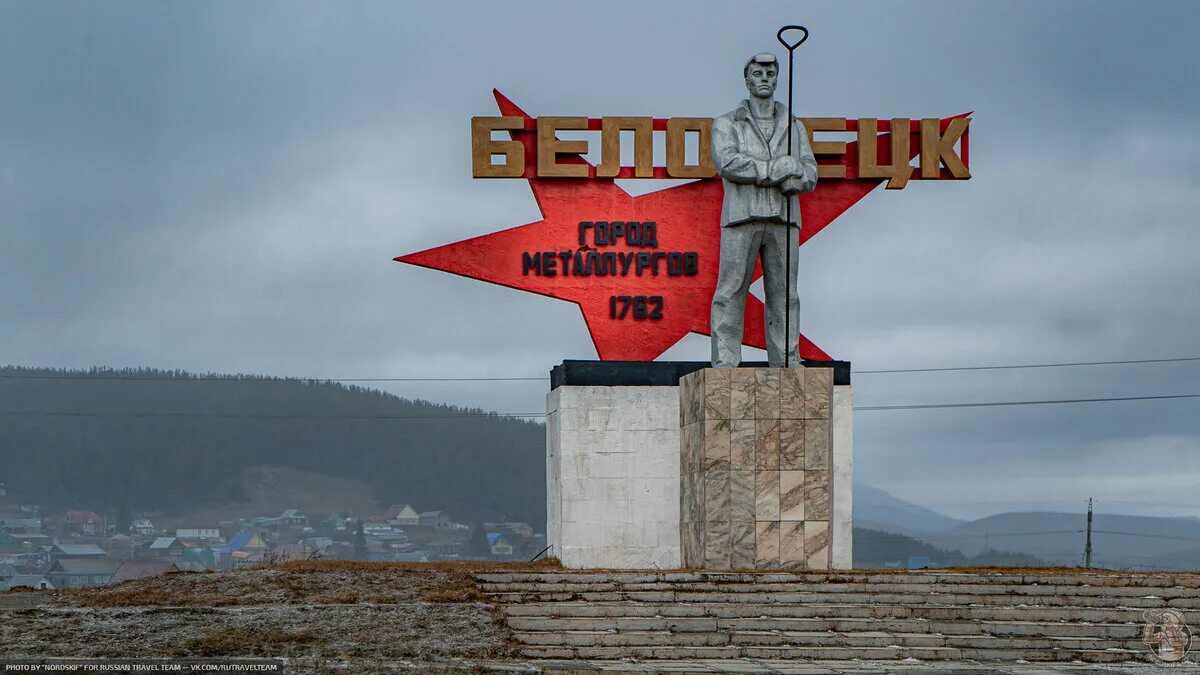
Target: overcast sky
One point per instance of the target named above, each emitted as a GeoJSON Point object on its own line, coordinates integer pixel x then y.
{"type": "Point", "coordinates": [222, 187]}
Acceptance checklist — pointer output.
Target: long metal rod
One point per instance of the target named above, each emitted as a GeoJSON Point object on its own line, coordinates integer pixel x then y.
{"type": "Point", "coordinates": [787, 294]}
{"type": "Point", "coordinates": [787, 297]}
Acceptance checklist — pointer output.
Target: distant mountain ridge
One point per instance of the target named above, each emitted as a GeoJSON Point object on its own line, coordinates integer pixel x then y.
{"type": "Point", "coordinates": [1118, 541]}
{"type": "Point", "coordinates": [878, 510]}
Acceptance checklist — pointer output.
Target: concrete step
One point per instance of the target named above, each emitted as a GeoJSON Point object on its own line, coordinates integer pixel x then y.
{"type": "Point", "coordinates": [832, 653]}
{"type": "Point", "coordinates": [814, 639]}
{"type": "Point", "coordinates": [836, 616]}
{"type": "Point", "coordinates": [1125, 631]}
{"type": "Point", "coordinates": [771, 597]}
{"type": "Point", "coordinates": [1031, 590]}
{"type": "Point", "coordinates": [1158, 580]}
{"type": "Point", "coordinates": [825, 610]}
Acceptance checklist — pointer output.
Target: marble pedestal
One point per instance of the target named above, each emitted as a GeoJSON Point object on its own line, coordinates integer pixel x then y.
{"type": "Point", "coordinates": [616, 479]}
{"type": "Point", "coordinates": [765, 469]}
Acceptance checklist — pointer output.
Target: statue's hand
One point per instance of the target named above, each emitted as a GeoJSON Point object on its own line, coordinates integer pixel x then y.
{"type": "Point", "coordinates": [792, 185]}
{"type": "Point", "coordinates": [782, 168]}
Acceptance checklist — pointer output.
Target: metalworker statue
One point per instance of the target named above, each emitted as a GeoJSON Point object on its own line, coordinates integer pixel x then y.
{"type": "Point", "coordinates": [750, 150]}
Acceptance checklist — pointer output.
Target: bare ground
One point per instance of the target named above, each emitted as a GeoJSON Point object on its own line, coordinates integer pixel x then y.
{"type": "Point", "coordinates": [318, 615]}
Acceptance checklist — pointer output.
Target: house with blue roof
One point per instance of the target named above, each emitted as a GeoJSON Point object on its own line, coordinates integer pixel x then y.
{"type": "Point", "coordinates": [245, 542]}
{"type": "Point", "coordinates": [498, 542]}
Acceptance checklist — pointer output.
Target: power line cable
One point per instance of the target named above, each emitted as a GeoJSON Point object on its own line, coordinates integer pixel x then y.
{"type": "Point", "coordinates": [202, 378]}
{"type": "Point", "coordinates": [992, 404]}
{"type": "Point", "coordinates": [1149, 536]}
{"type": "Point", "coordinates": [1026, 365]}
{"type": "Point", "coordinates": [93, 413]}
{"type": "Point", "coordinates": [260, 379]}
{"type": "Point", "coordinates": [246, 416]}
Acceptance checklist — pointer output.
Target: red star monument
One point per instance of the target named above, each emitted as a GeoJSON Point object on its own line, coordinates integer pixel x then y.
{"type": "Point", "coordinates": [687, 218]}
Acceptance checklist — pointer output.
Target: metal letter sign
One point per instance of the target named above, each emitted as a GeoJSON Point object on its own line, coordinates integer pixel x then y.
{"type": "Point", "coordinates": [643, 269]}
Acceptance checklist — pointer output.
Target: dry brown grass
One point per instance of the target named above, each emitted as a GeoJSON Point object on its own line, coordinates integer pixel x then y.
{"type": "Point", "coordinates": [317, 582]}
{"type": "Point", "coordinates": [247, 642]}
{"type": "Point", "coordinates": [467, 566]}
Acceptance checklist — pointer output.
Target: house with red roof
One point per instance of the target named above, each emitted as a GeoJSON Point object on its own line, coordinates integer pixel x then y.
{"type": "Point", "coordinates": [141, 570]}
{"type": "Point", "coordinates": [84, 522]}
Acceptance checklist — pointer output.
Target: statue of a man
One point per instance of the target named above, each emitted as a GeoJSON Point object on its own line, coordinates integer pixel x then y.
{"type": "Point", "coordinates": [760, 177]}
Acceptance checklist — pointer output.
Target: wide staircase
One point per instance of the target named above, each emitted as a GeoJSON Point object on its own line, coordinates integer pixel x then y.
{"type": "Point", "coordinates": [929, 616]}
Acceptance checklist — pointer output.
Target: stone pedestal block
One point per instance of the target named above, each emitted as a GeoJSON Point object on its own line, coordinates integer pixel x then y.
{"type": "Point", "coordinates": [764, 469]}
{"type": "Point", "coordinates": [612, 476]}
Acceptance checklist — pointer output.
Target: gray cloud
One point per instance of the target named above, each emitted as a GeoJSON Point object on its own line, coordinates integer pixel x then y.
{"type": "Point", "coordinates": [222, 187]}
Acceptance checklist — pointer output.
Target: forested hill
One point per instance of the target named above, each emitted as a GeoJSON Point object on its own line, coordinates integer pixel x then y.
{"type": "Point", "coordinates": [163, 440]}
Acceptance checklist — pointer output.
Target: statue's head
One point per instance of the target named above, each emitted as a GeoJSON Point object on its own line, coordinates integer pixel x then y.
{"type": "Point", "coordinates": [762, 74]}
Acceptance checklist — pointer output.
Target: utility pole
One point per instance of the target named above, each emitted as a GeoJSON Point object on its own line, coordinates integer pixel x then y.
{"type": "Point", "coordinates": [1087, 548]}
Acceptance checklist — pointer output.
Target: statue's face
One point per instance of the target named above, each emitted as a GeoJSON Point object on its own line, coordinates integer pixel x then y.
{"type": "Point", "coordinates": [761, 79]}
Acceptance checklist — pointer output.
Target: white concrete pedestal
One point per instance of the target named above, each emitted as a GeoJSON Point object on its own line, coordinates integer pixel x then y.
{"type": "Point", "coordinates": [612, 476]}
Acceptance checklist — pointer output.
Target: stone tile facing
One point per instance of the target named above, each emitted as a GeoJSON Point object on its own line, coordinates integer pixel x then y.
{"type": "Point", "coordinates": [716, 393]}
{"type": "Point", "coordinates": [766, 496]}
{"type": "Point", "coordinates": [816, 495]}
{"type": "Point", "coordinates": [691, 403]}
{"type": "Point", "coordinates": [791, 445]}
{"type": "Point", "coordinates": [756, 465]}
{"type": "Point", "coordinates": [741, 444]}
{"type": "Point", "coordinates": [741, 549]}
{"type": "Point", "coordinates": [766, 444]}
{"type": "Point", "coordinates": [766, 393]}
{"type": "Point", "coordinates": [816, 444]}
{"type": "Point", "coordinates": [818, 390]}
{"type": "Point", "coordinates": [716, 440]}
{"type": "Point", "coordinates": [716, 491]}
{"type": "Point", "coordinates": [791, 546]}
{"type": "Point", "coordinates": [741, 393]}
{"type": "Point", "coordinates": [689, 543]}
{"type": "Point", "coordinates": [717, 548]}
{"type": "Point", "coordinates": [688, 512]}
{"type": "Point", "coordinates": [766, 540]}
{"type": "Point", "coordinates": [791, 393]}
{"type": "Point", "coordinates": [816, 544]}
{"type": "Point", "coordinates": [791, 495]}
{"type": "Point", "coordinates": [741, 495]}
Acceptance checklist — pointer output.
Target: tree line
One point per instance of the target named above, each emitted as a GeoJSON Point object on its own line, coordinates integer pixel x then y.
{"type": "Point", "coordinates": [125, 451]}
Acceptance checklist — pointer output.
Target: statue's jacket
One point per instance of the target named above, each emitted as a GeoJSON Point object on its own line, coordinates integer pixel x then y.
{"type": "Point", "coordinates": [743, 158]}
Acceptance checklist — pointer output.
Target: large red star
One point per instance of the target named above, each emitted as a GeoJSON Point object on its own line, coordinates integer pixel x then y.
{"type": "Point", "coordinates": [688, 219]}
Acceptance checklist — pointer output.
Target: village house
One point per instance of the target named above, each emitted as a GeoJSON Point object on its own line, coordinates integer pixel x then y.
{"type": "Point", "coordinates": [143, 526]}
{"type": "Point", "coordinates": [76, 551]}
{"type": "Point", "coordinates": [80, 573]}
{"type": "Point", "coordinates": [286, 552]}
{"type": "Point", "coordinates": [87, 523]}
{"type": "Point", "coordinates": [19, 525]}
{"type": "Point", "coordinates": [139, 570]}
{"type": "Point", "coordinates": [245, 542]}
{"type": "Point", "coordinates": [499, 544]}
{"type": "Point", "coordinates": [402, 514]}
{"type": "Point", "coordinates": [10, 542]}
{"type": "Point", "coordinates": [438, 520]}
{"type": "Point", "coordinates": [169, 548]}
{"type": "Point", "coordinates": [208, 532]}
{"type": "Point", "coordinates": [522, 529]}
{"type": "Point", "coordinates": [120, 547]}
{"type": "Point", "coordinates": [293, 518]}
{"type": "Point", "coordinates": [340, 523]}
{"type": "Point", "coordinates": [448, 545]}
{"type": "Point", "coordinates": [34, 581]}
